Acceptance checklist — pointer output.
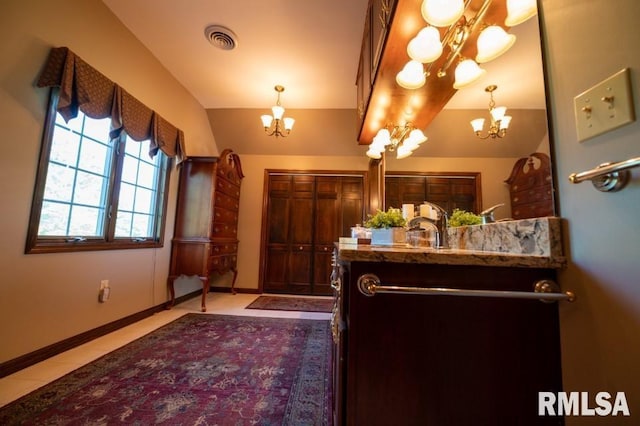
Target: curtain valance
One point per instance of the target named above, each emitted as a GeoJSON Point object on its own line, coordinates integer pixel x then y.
{"type": "Point", "coordinates": [84, 88]}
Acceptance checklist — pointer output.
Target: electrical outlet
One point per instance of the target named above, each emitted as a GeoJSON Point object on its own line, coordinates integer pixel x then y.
{"type": "Point", "coordinates": [606, 106]}
{"type": "Point", "coordinates": [105, 290]}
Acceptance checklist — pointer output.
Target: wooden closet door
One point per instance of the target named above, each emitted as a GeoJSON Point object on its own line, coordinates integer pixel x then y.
{"type": "Point", "coordinates": [277, 244]}
{"type": "Point", "coordinates": [448, 190]}
{"type": "Point", "coordinates": [327, 228]}
{"type": "Point", "coordinates": [301, 221]}
{"type": "Point", "coordinates": [305, 216]}
{"type": "Point", "coordinates": [288, 257]}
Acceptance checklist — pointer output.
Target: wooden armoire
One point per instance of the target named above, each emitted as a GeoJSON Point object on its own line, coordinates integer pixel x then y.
{"type": "Point", "coordinates": [531, 188]}
{"type": "Point", "coordinates": [205, 238]}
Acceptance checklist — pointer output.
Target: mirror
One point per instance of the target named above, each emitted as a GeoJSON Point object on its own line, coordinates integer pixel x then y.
{"type": "Point", "coordinates": [452, 144]}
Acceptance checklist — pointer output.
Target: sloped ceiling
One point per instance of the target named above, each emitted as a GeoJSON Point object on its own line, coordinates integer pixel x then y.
{"type": "Point", "coordinates": [312, 48]}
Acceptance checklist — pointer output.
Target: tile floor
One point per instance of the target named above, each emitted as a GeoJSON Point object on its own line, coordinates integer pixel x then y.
{"type": "Point", "coordinates": [24, 381]}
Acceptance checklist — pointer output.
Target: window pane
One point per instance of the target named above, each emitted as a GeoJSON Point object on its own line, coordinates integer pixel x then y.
{"type": "Point", "coordinates": [130, 169]}
{"type": "Point", "coordinates": [90, 189]}
{"type": "Point", "coordinates": [64, 147]}
{"type": "Point", "coordinates": [123, 224]}
{"type": "Point", "coordinates": [80, 195]}
{"type": "Point", "coordinates": [74, 124]}
{"type": "Point", "coordinates": [144, 200]}
{"type": "Point", "coordinates": [134, 148]}
{"type": "Point", "coordinates": [95, 156]}
{"type": "Point", "coordinates": [97, 129]}
{"type": "Point", "coordinates": [53, 219]}
{"type": "Point", "coordinates": [85, 221]}
{"type": "Point", "coordinates": [127, 197]}
{"type": "Point", "coordinates": [59, 186]}
{"type": "Point", "coordinates": [138, 191]}
{"type": "Point", "coordinates": [147, 175]}
{"type": "Point", "coordinates": [141, 226]}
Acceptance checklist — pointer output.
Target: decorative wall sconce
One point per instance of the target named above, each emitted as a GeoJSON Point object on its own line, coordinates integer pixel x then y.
{"type": "Point", "coordinates": [401, 139]}
{"type": "Point", "coordinates": [499, 121]}
{"type": "Point", "coordinates": [426, 47]}
{"type": "Point", "coordinates": [276, 125]}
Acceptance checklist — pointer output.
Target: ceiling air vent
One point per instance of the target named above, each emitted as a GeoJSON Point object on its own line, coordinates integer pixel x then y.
{"type": "Point", "coordinates": [221, 37]}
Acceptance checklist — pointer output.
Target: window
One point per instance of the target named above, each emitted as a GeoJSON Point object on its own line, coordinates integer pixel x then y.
{"type": "Point", "coordinates": [93, 193]}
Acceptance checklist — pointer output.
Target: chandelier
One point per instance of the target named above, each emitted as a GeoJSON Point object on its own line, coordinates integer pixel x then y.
{"type": "Point", "coordinates": [401, 139]}
{"type": "Point", "coordinates": [276, 125]}
{"type": "Point", "coordinates": [426, 47]}
{"type": "Point", "coordinates": [499, 121]}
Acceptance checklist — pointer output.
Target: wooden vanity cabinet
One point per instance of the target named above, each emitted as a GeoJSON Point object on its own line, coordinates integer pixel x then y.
{"type": "Point", "coordinates": [206, 229]}
{"type": "Point", "coordinates": [408, 359]}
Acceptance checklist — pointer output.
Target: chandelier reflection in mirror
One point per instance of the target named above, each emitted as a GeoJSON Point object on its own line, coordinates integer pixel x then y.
{"type": "Point", "coordinates": [426, 47]}
{"type": "Point", "coordinates": [499, 121]}
{"type": "Point", "coordinates": [401, 139]}
{"type": "Point", "coordinates": [277, 125]}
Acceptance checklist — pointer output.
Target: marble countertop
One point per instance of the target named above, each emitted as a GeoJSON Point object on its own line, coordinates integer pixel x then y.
{"type": "Point", "coordinates": [524, 243]}
{"type": "Point", "coordinates": [405, 254]}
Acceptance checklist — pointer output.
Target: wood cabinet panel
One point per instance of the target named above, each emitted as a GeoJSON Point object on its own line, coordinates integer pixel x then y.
{"type": "Point", "coordinates": [205, 233]}
{"type": "Point", "coordinates": [326, 220]}
{"type": "Point", "coordinates": [445, 360]}
{"type": "Point", "coordinates": [278, 214]}
{"type": "Point", "coordinates": [301, 221]}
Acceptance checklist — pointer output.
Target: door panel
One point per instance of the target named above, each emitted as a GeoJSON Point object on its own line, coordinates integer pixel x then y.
{"type": "Point", "coordinates": [306, 216]}
{"type": "Point", "coordinates": [448, 190]}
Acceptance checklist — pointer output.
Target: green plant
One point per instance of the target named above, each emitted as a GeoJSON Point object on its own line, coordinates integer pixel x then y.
{"type": "Point", "coordinates": [389, 219]}
{"type": "Point", "coordinates": [463, 218]}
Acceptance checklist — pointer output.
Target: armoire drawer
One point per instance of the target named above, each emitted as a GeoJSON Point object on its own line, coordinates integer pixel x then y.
{"type": "Point", "coordinates": [227, 187]}
{"type": "Point", "coordinates": [222, 263]}
{"type": "Point", "coordinates": [218, 249]}
{"type": "Point", "coordinates": [226, 201]}
{"type": "Point", "coordinates": [223, 215]}
{"type": "Point", "coordinates": [225, 230]}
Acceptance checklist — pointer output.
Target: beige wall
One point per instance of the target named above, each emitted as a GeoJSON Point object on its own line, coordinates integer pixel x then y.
{"type": "Point", "coordinates": [589, 41]}
{"type": "Point", "coordinates": [46, 298]}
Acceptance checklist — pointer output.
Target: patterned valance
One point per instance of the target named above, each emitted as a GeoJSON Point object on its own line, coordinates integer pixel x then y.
{"type": "Point", "coordinates": [84, 88]}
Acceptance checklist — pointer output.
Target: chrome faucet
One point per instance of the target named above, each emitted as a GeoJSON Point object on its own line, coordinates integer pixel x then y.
{"type": "Point", "coordinates": [487, 215]}
{"type": "Point", "coordinates": [440, 224]}
{"type": "Point", "coordinates": [417, 221]}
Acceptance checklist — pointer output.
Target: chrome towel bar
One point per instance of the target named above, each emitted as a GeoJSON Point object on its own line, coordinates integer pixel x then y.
{"type": "Point", "coordinates": [543, 290]}
{"type": "Point", "coordinates": [607, 177]}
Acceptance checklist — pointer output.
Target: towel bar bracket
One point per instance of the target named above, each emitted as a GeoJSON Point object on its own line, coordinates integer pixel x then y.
{"type": "Point", "coordinates": [608, 177]}
{"type": "Point", "coordinates": [544, 290]}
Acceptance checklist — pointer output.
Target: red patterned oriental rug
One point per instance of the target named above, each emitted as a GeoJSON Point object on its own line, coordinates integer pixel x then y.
{"type": "Point", "coordinates": [201, 369]}
{"type": "Point", "coordinates": [278, 303]}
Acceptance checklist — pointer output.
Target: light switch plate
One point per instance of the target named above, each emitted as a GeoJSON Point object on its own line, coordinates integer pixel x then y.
{"type": "Point", "coordinates": [606, 106]}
